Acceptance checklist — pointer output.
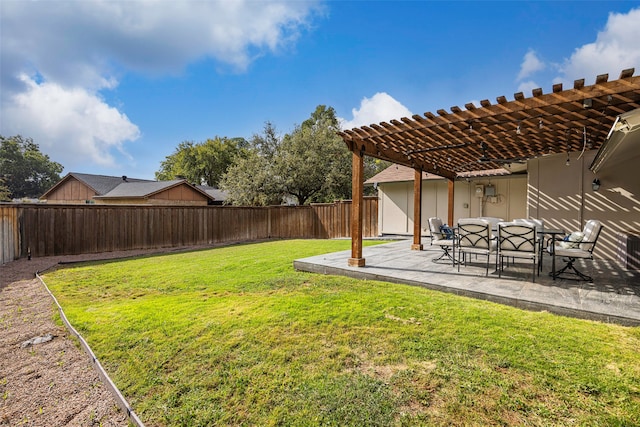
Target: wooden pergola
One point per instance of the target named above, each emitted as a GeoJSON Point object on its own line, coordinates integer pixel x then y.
{"type": "Point", "coordinates": [488, 137]}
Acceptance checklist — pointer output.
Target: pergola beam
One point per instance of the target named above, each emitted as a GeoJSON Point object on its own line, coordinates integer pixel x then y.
{"type": "Point", "coordinates": [417, 211]}
{"type": "Point", "coordinates": [357, 189]}
{"type": "Point", "coordinates": [522, 128]}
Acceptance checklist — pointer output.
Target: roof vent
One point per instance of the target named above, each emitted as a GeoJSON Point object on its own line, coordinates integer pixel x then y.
{"type": "Point", "coordinates": [124, 178]}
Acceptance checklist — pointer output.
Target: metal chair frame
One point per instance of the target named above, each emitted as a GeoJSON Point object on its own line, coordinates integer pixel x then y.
{"type": "Point", "coordinates": [474, 237]}
{"type": "Point", "coordinates": [450, 243]}
{"type": "Point", "coordinates": [569, 270]}
{"type": "Point", "coordinates": [518, 240]}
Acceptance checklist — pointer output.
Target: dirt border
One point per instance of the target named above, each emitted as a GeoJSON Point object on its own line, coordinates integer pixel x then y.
{"type": "Point", "coordinates": [53, 383]}
{"type": "Point", "coordinates": [104, 377]}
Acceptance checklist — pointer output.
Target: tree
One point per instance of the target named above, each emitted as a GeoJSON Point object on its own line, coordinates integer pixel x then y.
{"type": "Point", "coordinates": [252, 179]}
{"type": "Point", "coordinates": [201, 163]}
{"type": "Point", "coordinates": [24, 170]}
{"type": "Point", "coordinates": [5, 194]}
{"type": "Point", "coordinates": [314, 163]}
{"type": "Point", "coordinates": [312, 159]}
{"type": "Point", "coordinates": [250, 182]}
{"type": "Point", "coordinates": [311, 164]}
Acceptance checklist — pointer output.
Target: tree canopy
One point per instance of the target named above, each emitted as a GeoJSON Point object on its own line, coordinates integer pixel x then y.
{"type": "Point", "coordinates": [313, 162]}
{"type": "Point", "coordinates": [310, 164]}
{"type": "Point", "coordinates": [253, 180]}
{"type": "Point", "coordinates": [202, 163]}
{"type": "Point", "coordinates": [24, 170]}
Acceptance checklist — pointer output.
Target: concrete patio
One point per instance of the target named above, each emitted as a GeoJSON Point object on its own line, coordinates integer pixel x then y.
{"type": "Point", "coordinates": [614, 295]}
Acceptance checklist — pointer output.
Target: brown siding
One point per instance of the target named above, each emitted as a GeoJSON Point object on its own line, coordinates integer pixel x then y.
{"type": "Point", "coordinates": [72, 191]}
{"type": "Point", "coordinates": [73, 229]}
{"type": "Point", "coordinates": [181, 192]}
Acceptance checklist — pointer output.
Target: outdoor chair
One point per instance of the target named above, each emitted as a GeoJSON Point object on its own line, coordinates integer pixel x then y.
{"type": "Point", "coordinates": [539, 225]}
{"type": "Point", "coordinates": [438, 237]}
{"type": "Point", "coordinates": [493, 221]}
{"type": "Point", "coordinates": [574, 246]}
{"type": "Point", "coordinates": [474, 237]}
{"type": "Point", "coordinates": [518, 240]}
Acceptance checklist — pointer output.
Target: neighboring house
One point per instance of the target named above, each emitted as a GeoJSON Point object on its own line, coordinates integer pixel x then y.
{"type": "Point", "coordinates": [77, 188]}
{"type": "Point", "coordinates": [219, 196]}
{"type": "Point", "coordinates": [498, 193]}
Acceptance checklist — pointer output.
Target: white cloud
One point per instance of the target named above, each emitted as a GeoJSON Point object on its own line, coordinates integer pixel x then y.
{"type": "Point", "coordinates": [530, 64]}
{"type": "Point", "coordinates": [380, 107]}
{"type": "Point", "coordinates": [527, 87]}
{"type": "Point", "coordinates": [73, 50]}
{"type": "Point", "coordinates": [74, 124]}
{"type": "Point", "coordinates": [616, 48]}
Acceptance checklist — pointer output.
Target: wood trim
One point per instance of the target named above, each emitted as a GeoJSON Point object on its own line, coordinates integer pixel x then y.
{"type": "Point", "coordinates": [357, 194]}
{"type": "Point", "coordinates": [417, 211]}
{"type": "Point", "coordinates": [450, 201]}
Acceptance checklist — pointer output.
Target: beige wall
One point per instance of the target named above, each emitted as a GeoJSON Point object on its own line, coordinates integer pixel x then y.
{"type": "Point", "coordinates": [396, 202]}
{"type": "Point", "coordinates": [394, 199]}
{"type": "Point", "coordinates": [563, 196]}
{"type": "Point", "coordinates": [559, 194]}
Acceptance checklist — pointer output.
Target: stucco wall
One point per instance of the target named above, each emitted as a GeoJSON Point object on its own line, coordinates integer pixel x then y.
{"type": "Point", "coordinates": [558, 193]}
{"type": "Point", "coordinates": [396, 202]}
{"type": "Point", "coordinates": [562, 195]}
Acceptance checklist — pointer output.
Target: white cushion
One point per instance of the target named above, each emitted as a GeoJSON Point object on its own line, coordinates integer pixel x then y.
{"type": "Point", "coordinates": [538, 223]}
{"type": "Point", "coordinates": [434, 228]}
{"type": "Point", "coordinates": [572, 252]}
{"type": "Point", "coordinates": [572, 241]}
{"type": "Point", "coordinates": [591, 230]}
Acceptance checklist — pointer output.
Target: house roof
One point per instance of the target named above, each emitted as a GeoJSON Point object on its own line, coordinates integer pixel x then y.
{"type": "Point", "coordinates": [142, 189]}
{"type": "Point", "coordinates": [399, 173]}
{"type": "Point", "coordinates": [485, 137]}
{"type": "Point", "coordinates": [216, 193]}
{"type": "Point", "coordinates": [101, 184]}
{"type": "Point", "coordinates": [116, 187]}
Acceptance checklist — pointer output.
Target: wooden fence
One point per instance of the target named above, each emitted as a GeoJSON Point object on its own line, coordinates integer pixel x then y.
{"type": "Point", "coordinates": [47, 230]}
{"type": "Point", "coordinates": [9, 233]}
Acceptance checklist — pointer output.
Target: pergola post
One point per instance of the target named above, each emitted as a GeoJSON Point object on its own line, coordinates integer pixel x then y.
{"type": "Point", "coordinates": [357, 193]}
{"type": "Point", "coordinates": [450, 183]}
{"type": "Point", "coordinates": [417, 211]}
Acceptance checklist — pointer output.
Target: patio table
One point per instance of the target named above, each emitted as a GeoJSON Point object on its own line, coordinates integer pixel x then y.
{"type": "Point", "coordinates": [553, 232]}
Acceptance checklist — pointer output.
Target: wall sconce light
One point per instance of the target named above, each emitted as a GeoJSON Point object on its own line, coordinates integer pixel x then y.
{"type": "Point", "coordinates": [595, 184]}
{"type": "Point", "coordinates": [568, 162]}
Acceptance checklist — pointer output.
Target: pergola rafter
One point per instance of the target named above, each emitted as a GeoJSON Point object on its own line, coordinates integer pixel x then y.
{"type": "Point", "coordinates": [557, 122]}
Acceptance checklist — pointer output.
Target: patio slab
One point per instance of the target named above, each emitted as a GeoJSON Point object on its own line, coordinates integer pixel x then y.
{"type": "Point", "coordinates": [614, 295]}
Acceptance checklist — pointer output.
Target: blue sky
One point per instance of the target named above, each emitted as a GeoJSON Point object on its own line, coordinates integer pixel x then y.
{"type": "Point", "coordinates": [112, 87]}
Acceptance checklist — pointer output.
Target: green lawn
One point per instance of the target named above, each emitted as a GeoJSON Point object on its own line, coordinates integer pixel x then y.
{"type": "Point", "coordinates": [235, 336]}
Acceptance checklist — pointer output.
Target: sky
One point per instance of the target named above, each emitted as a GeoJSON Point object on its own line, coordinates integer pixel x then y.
{"type": "Point", "coordinates": [112, 87]}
